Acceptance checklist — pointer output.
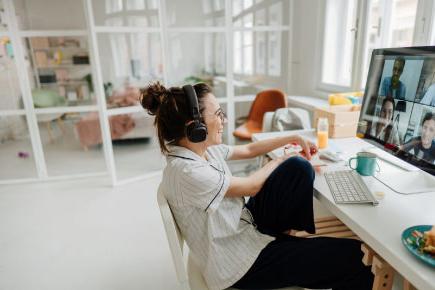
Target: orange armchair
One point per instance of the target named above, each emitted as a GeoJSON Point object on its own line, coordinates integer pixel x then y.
{"type": "Point", "coordinates": [265, 101]}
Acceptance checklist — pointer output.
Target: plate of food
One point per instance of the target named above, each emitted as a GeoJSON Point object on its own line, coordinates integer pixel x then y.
{"type": "Point", "coordinates": [420, 241]}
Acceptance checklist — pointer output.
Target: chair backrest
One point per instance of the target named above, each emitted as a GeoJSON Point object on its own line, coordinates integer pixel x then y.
{"type": "Point", "coordinates": [266, 101]}
{"type": "Point", "coordinates": [175, 239]}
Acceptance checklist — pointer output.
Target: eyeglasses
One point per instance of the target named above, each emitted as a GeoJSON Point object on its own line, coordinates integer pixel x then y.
{"type": "Point", "coordinates": [221, 114]}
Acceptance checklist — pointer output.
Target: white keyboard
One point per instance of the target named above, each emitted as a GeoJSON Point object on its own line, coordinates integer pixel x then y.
{"type": "Point", "coordinates": [348, 187]}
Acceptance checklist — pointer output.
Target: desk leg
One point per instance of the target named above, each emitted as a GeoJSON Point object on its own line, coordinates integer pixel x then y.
{"type": "Point", "coordinates": [383, 272]}
{"type": "Point", "coordinates": [368, 255]}
{"type": "Point", "coordinates": [407, 285]}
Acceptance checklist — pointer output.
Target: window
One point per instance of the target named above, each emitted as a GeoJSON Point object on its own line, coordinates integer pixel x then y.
{"type": "Point", "coordinates": [274, 58]}
{"type": "Point", "coordinates": [390, 23]}
{"type": "Point", "coordinates": [244, 46]}
{"type": "Point", "coordinates": [338, 42]}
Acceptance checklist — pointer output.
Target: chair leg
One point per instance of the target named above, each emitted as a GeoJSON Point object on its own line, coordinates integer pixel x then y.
{"type": "Point", "coordinates": [50, 133]}
{"type": "Point", "coordinates": [61, 125]}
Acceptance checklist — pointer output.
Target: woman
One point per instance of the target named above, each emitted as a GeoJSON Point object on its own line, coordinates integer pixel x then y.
{"type": "Point", "coordinates": [423, 147]}
{"type": "Point", "coordinates": [383, 129]}
{"type": "Point", "coordinates": [233, 243]}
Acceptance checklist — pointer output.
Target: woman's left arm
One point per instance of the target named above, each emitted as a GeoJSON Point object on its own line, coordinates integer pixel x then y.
{"type": "Point", "coordinates": [262, 147]}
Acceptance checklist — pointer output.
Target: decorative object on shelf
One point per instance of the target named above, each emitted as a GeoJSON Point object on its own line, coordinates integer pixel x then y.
{"type": "Point", "coordinates": [47, 78]}
{"type": "Point", "coordinates": [72, 96]}
{"type": "Point", "coordinates": [80, 59]}
{"type": "Point", "coordinates": [108, 89]}
{"type": "Point", "coordinates": [62, 75]}
{"type": "Point", "coordinates": [57, 57]}
{"type": "Point", "coordinates": [6, 47]}
{"type": "Point", "coordinates": [88, 79]}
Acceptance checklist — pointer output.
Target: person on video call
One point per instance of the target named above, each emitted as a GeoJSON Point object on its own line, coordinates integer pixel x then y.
{"type": "Point", "coordinates": [429, 96]}
{"type": "Point", "coordinates": [423, 147]}
{"type": "Point", "coordinates": [244, 245]}
{"type": "Point", "coordinates": [392, 86]}
{"type": "Point", "coordinates": [384, 128]}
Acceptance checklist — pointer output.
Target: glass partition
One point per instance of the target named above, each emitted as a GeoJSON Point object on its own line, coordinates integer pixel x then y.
{"type": "Point", "coordinates": [260, 13]}
{"type": "Point", "coordinates": [203, 62]}
{"type": "Point", "coordinates": [135, 145]}
{"type": "Point", "coordinates": [259, 61]}
{"type": "Point", "coordinates": [72, 143]}
{"type": "Point", "coordinates": [139, 13]}
{"type": "Point", "coordinates": [129, 61]}
{"type": "Point", "coordinates": [197, 13]}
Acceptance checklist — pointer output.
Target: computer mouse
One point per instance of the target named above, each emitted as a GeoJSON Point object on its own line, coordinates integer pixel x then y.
{"type": "Point", "coordinates": [330, 155]}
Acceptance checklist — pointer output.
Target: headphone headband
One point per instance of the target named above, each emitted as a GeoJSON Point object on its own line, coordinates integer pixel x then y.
{"type": "Point", "coordinates": [196, 131]}
{"type": "Point", "coordinates": [192, 100]}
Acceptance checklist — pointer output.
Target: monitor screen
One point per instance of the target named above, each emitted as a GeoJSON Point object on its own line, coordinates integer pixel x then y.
{"type": "Point", "coordinates": [398, 110]}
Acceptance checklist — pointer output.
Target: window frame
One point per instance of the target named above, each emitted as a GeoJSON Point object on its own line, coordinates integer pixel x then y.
{"type": "Point", "coordinates": [420, 37]}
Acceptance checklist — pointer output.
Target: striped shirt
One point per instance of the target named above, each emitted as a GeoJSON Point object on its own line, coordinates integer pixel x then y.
{"type": "Point", "coordinates": [219, 230]}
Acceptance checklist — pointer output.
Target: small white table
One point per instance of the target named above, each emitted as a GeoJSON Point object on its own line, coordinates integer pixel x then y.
{"type": "Point", "coordinates": [380, 226]}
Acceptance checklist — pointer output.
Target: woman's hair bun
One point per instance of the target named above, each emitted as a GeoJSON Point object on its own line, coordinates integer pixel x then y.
{"type": "Point", "coordinates": [152, 96]}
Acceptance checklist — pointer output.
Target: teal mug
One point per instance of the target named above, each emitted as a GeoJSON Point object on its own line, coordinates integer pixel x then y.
{"type": "Point", "coordinates": [366, 163]}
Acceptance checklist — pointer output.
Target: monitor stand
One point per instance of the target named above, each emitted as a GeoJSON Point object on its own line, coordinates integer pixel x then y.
{"type": "Point", "coordinates": [408, 180]}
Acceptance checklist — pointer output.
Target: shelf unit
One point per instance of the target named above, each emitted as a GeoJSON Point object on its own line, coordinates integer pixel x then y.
{"type": "Point", "coordinates": [53, 57]}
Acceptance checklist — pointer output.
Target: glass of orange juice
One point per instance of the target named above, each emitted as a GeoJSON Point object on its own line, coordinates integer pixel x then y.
{"type": "Point", "coordinates": [322, 133]}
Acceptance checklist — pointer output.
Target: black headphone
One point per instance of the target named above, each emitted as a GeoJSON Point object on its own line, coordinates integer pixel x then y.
{"type": "Point", "coordinates": [196, 131]}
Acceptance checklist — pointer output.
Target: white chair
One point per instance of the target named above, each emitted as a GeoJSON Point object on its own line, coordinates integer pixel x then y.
{"type": "Point", "coordinates": [190, 279]}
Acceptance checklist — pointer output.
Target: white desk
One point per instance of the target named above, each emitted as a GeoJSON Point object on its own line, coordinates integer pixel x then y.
{"type": "Point", "coordinates": [379, 226]}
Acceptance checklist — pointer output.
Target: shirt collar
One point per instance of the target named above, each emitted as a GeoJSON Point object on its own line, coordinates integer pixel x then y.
{"type": "Point", "coordinates": [184, 152]}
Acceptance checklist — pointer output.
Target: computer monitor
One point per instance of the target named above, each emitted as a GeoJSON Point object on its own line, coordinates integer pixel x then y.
{"type": "Point", "coordinates": [398, 109]}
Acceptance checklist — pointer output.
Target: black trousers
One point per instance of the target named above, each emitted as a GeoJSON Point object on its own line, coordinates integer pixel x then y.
{"type": "Point", "coordinates": [286, 202]}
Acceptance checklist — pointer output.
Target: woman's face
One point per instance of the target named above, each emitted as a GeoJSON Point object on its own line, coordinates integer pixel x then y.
{"type": "Point", "coordinates": [387, 112]}
{"type": "Point", "coordinates": [428, 133]}
{"type": "Point", "coordinates": [214, 119]}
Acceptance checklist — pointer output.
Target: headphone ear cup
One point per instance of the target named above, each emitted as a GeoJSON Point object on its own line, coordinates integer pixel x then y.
{"type": "Point", "coordinates": [196, 132]}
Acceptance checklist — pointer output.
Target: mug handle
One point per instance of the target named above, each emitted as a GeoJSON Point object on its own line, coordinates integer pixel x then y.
{"type": "Point", "coordinates": [378, 167]}
{"type": "Point", "coordinates": [350, 162]}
